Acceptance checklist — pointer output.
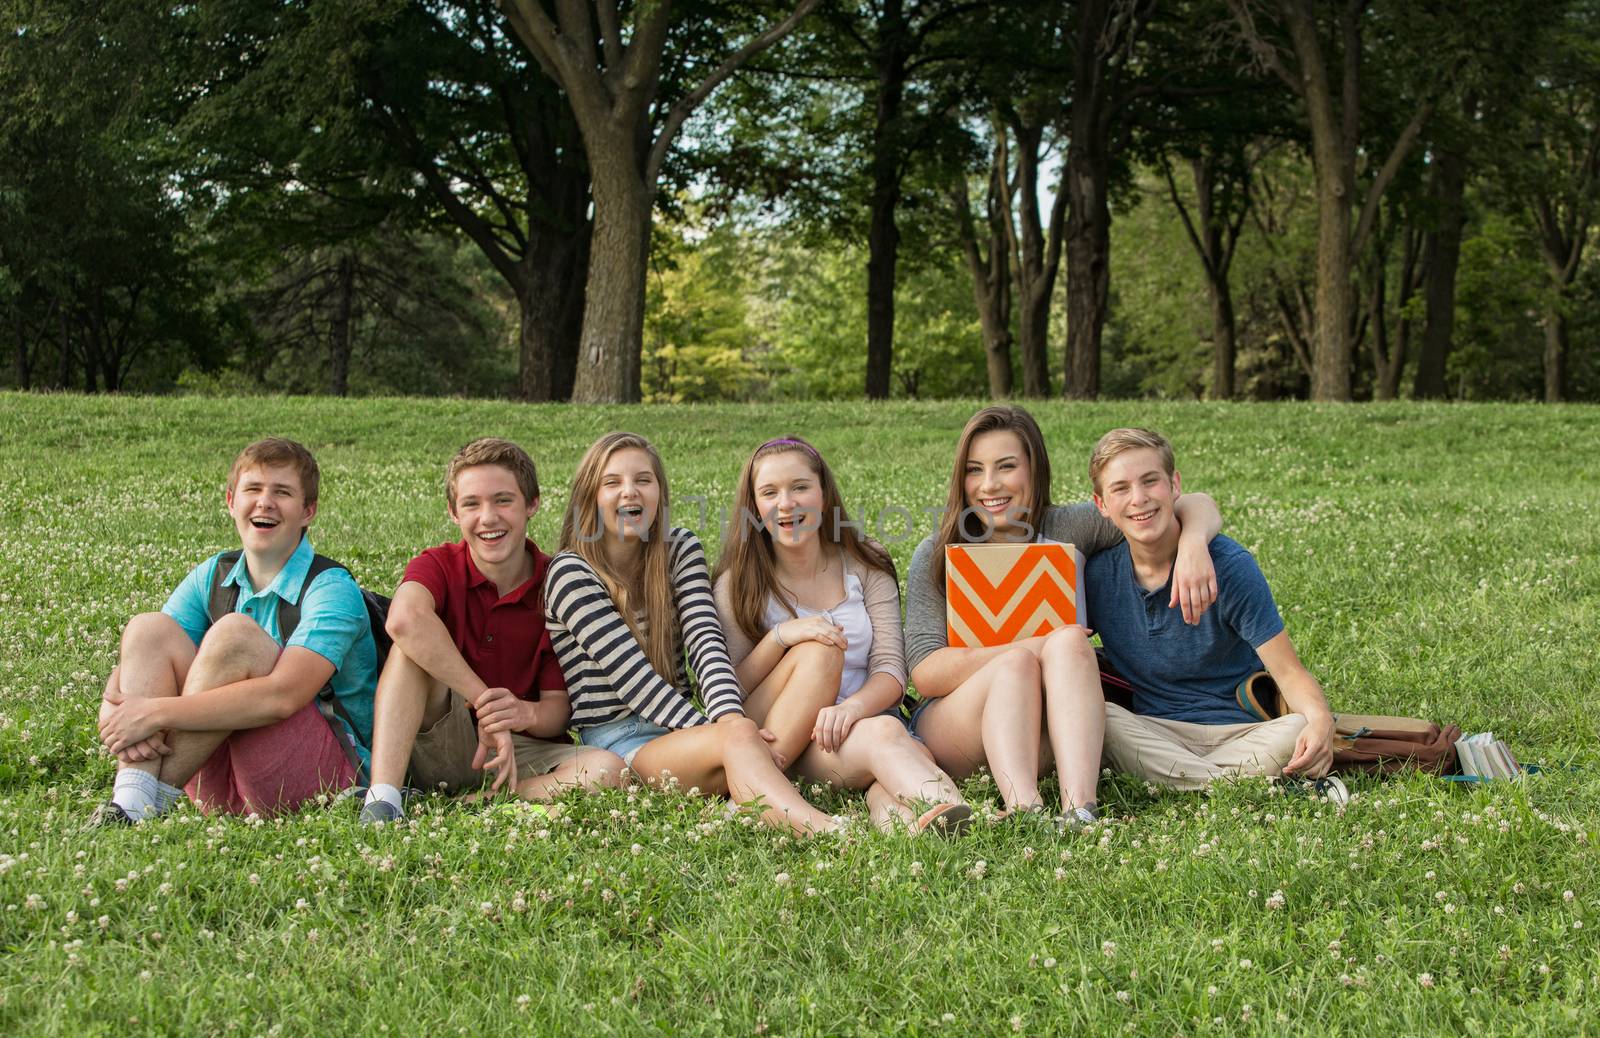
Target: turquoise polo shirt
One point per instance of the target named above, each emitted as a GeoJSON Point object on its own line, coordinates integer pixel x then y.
{"type": "Point", "coordinates": [333, 624]}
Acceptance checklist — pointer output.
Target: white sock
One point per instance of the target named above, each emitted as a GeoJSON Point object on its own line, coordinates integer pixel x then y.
{"type": "Point", "coordinates": [142, 795]}
{"type": "Point", "coordinates": [387, 793]}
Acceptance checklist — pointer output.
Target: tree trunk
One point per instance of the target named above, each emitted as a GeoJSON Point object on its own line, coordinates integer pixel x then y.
{"type": "Point", "coordinates": [1224, 338]}
{"type": "Point", "coordinates": [343, 317]}
{"type": "Point", "coordinates": [613, 317]}
{"type": "Point", "coordinates": [1038, 253]}
{"type": "Point", "coordinates": [1442, 262]}
{"type": "Point", "coordinates": [1333, 165]}
{"type": "Point", "coordinates": [883, 245]}
{"type": "Point", "coordinates": [883, 237]}
{"type": "Point", "coordinates": [1555, 353]}
{"type": "Point", "coordinates": [1330, 341]}
{"type": "Point", "coordinates": [991, 274]}
{"type": "Point", "coordinates": [21, 360]}
{"type": "Point", "coordinates": [64, 360]}
{"type": "Point", "coordinates": [1088, 247]}
{"type": "Point", "coordinates": [550, 307]}
{"type": "Point", "coordinates": [1384, 363]}
{"type": "Point", "coordinates": [1088, 229]}
{"type": "Point", "coordinates": [1033, 333]}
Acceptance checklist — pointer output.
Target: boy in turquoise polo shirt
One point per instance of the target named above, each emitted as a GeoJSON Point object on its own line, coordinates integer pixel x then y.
{"type": "Point", "coordinates": [226, 709]}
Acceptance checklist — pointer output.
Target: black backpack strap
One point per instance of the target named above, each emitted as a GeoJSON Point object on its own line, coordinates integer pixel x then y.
{"type": "Point", "coordinates": [224, 598]}
{"type": "Point", "coordinates": [289, 612]}
{"type": "Point", "coordinates": [328, 704]}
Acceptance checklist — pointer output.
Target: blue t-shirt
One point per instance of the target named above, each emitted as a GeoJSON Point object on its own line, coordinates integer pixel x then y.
{"type": "Point", "coordinates": [1178, 671]}
{"type": "Point", "coordinates": [333, 623]}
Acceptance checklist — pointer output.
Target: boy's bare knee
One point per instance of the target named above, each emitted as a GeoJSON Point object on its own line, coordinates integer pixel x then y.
{"type": "Point", "coordinates": [151, 632]}
{"type": "Point", "coordinates": [235, 631]}
{"type": "Point", "coordinates": [235, 645]}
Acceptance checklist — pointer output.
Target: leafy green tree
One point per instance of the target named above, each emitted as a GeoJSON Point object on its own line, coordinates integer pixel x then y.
{"type": "Point", "coordinates": [362, 315]}
{"type": "Point", "coordinates": [101, 282]}
{"type": "Point", "coordinates": [697, 332]}
{"type": "Point", "coordinates": [612, 63]}
{"type": "Point", "coordinates": [1368, 76]}
{"type": "Point", "coordinates": [324, 121]}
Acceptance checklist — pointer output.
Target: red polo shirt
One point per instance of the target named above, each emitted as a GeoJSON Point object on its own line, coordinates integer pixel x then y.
{"type": "Point", "coordinates": [503, 640]}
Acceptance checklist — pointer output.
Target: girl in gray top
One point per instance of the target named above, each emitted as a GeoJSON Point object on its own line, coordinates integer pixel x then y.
{"type": "Point", "coordinates": [989, 705]}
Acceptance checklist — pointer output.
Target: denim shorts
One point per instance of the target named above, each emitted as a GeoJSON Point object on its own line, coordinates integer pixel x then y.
{"type": "Point", "coordinates": [916, 717]}
{"type": "Point", "coordinates": [625, 736]}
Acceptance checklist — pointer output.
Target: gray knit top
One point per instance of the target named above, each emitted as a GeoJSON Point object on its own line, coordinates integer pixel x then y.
{"type": "Point", "coordinates": [1080, 525]}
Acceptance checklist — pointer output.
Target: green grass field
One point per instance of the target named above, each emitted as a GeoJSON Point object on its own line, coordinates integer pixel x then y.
{"type": "Point", "coordinates": [1435, 560]}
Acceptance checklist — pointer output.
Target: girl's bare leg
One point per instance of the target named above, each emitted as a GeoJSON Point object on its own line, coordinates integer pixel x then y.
{"type": "Point", "coordinates": [730, 757]}
{"type": "Point", "coordinates": [787, 702]}
{"type": "Point", "coordinates": [1075, 712]}
{"type": "Point", "coordinates": [995, 717]}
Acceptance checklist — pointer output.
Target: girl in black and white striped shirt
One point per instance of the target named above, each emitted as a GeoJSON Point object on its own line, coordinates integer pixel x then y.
{"type": "Point", "coordinates": [624, 598]}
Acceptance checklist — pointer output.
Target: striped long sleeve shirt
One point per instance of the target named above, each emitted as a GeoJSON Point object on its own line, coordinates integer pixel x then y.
{"type": "Point", "coordinates": [609, 675]}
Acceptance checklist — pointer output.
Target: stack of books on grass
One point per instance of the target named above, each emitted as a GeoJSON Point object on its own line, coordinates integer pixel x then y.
{"type": "Point", "coordinates": [1482, 756]}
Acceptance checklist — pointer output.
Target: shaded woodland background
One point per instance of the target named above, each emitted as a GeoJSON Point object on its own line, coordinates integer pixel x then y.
{"type": "Point", "coordinates": [691, 200]}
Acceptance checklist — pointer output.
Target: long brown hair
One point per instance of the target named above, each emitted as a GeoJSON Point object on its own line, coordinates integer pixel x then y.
{"type": "Point", "coordinates": [747, 554]}
{"type": "Point", "coordinates": [957, 523]}
{"type": "Point", "coordinates": [583, 533]}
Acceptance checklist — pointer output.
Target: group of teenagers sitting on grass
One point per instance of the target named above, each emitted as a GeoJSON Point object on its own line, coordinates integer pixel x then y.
{"type": "Point", "coordinates": [260, 685]}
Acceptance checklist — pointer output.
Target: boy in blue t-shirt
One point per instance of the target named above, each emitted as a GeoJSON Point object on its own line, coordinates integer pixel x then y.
{"type": "Point", "coordinates": [1187, 727]}
{"type": "Point", "coordinates": [226, 710]}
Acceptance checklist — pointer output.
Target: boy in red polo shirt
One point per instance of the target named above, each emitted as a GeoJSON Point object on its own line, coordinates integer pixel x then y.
{"type": "Point", "coordinates": [472, 689]}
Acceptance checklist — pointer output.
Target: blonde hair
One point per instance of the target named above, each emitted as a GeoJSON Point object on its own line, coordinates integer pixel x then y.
{"type": "Point", "coordinates": [491, 450]}
{"type": "Point", "coordinates": [275, 451]}
{"type": "Point", "coordinates": [583, 534]}
{"type": "Point", "coordinates": [747, 555]}
{"type": "Point", "coordinates": [1120, 441]}
{"type": "Point", "coordinates": [958, 524]}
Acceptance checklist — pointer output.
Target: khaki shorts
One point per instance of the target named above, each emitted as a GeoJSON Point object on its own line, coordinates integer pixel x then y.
{"type": "Point", "coordinates": [441, 758]}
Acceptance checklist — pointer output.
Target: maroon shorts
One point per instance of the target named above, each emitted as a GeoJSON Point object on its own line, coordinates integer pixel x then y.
{"type": "Point", "coordinates": [272, 769]}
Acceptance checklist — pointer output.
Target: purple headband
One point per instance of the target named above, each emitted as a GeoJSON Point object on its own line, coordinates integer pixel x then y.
{"type": "Point", "coordinates": [788, 443]}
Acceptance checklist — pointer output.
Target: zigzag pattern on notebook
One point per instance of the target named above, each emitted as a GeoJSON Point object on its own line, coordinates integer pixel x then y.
{"type": "Point", "coordinates": [996, 594]}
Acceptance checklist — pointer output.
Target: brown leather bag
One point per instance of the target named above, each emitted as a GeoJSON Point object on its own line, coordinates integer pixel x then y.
{"type": "Point", "coordinates": [1372, 743]}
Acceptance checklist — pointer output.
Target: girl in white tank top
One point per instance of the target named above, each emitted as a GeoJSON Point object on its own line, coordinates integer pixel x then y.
{"type": "Point", "coordinates": [811, 612]}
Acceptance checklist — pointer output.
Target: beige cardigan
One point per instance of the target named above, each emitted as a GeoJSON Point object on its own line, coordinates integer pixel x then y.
{"type": "Point", "coordinates": [881, 593]}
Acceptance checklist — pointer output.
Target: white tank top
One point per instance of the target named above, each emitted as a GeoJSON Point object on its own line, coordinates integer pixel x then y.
{"type": "Point", "coordinates": [851, 615]}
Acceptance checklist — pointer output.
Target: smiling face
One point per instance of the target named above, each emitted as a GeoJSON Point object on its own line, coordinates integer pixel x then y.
{"type": "Point", "coordinates": [269, 510]}
{"type": "Point", "coordinates": [788, 497]}
{"type": "Point", "coordinates": [1137, 495]}
{"type": "Point", "coordinates": [998, 481]}
{"type": "Point", "coordinates": [630, 491]}
{"type": "Point", "coordinates": [492, 514]}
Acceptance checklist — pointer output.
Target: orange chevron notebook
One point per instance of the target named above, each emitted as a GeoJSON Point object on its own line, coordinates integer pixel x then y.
{"type": "Point", "coordinates": [996, 594]}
